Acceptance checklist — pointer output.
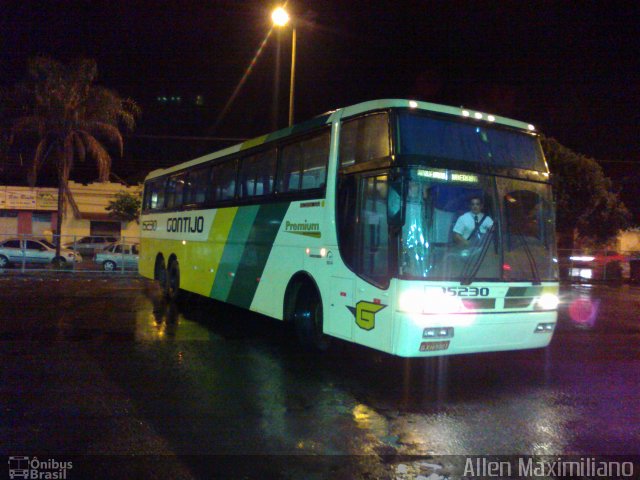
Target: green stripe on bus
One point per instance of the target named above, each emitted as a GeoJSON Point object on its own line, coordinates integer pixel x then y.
{"type": "Point", "coordinates": [232, 253]}
{"type": "Point", "coordinates": [254, 258]}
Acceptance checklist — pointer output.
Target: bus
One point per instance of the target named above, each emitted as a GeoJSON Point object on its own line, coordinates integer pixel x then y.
{"type": "Point", "coordinates": [348, 226]}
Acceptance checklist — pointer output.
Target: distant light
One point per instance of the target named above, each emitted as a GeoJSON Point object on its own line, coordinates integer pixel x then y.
{"type": "Point", "coordinates": [585, 258]}
{"type": "Point", "coordinates": [280, 17]}
{"type": "Point", "coordinates": [491, 118]}
{"type": "Point", "coordinates": [184, 242]}
{"type": "Point", "coordinates": [531, 127]}
{"type": "Point", "coordinates": [478, 115]}
{"type": "Point", "coordinates": [413, 103]}
{"type": "Point", "coordinates": [465, 113]}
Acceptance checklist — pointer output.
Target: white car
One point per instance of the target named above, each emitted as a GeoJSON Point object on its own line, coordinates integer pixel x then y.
{"type": "Point", "coordinates": [114, 256]}
{"type": "Point", "coordinates": [40, 251]}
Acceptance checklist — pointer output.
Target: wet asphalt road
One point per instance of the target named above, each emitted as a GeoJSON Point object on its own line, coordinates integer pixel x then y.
{"type": "Point", "coordinates": [101, 366]}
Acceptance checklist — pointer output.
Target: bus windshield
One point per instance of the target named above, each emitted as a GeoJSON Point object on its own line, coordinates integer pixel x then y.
{"type": "Point", "coordinates": [466, 226]}
{"type": "Point", "coordinates": [438, 138]}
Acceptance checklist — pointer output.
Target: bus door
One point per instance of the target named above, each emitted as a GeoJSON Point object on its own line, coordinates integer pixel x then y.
{"type": "Point", "coordinates": [372, 310]}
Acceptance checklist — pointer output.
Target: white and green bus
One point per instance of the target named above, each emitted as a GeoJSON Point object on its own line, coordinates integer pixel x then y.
{"type": "Point", "coordinates": [349, 226]}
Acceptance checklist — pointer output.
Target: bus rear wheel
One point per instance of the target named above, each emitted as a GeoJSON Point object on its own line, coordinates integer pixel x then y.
{"type": "Point", "coordinates": [307, 319]}
{"type": "Point", "coordinates": [160, 273]}
{"type": "Point", "coordinates": [172, 284]}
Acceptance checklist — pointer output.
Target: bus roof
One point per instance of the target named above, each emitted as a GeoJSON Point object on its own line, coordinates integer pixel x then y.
{"type": "Point", "coordinates": [347, 112]}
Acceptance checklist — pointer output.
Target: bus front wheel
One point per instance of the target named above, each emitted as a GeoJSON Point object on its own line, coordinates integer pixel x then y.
{"type": "Point", "coordinates": [307, 318]}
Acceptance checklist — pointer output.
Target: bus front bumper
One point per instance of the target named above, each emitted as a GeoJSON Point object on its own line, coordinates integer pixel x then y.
{"type": "Point", "coordinates": [420, 335]}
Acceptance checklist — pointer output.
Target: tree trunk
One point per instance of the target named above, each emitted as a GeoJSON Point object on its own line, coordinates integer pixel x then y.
{"type": "Point", "coordinates": [60, 214]}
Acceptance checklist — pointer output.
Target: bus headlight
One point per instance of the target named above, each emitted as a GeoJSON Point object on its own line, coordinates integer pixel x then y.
{"type": "Point", "coordinates": [548, 301]}
{"type": "Point", "coordinates": [411, 301]}
{"type": "Point", "coordinates": [429, 300]}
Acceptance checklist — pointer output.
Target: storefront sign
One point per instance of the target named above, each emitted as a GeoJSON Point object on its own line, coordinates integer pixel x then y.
{"type": "Point", "coordinates": [47, 200]}
{"type": "Point", "coordinates": [21, 199]}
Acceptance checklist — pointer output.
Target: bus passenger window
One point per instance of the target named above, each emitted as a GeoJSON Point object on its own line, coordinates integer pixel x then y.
{"type": "Point", "coordinates": [196, 186]}
{"type": "Point", "coordinates": [175, 189]}
{"type": "Point", "coordinates": [303, 165]}
{"type": "Point", "coordinates": [223, 181]}
{"type": "Point", "coordinates": [257, 173]}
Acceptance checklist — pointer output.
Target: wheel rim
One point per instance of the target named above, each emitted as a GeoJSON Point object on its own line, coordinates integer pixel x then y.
{"type": "Point", "coordinates": [3, 262]}
{"type": "Point", "coordinates": [109, 266]}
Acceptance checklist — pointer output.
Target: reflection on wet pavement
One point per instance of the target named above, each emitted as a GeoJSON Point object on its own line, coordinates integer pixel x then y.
{"type": "Point", "coordinates": [109, 367]}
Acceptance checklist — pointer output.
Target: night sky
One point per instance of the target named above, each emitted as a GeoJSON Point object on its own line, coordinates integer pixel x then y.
{"type": "Point", "coordinates": [570, 68]}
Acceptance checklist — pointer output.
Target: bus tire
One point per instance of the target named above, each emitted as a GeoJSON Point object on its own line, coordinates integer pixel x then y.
{"type": "Point", "coordinates": [160, 272]}
{"type": "Point", "coordinates": [172, 284]}
{"type": "Point", "coordinates": [307, 320]}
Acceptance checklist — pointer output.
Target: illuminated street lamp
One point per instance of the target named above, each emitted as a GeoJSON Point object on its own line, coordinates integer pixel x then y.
{"type": "Point", "coordinates": [281, 18]}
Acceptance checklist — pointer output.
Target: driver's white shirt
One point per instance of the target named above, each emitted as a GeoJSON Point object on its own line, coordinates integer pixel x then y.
{"type": "Point", "coordinates": [466, 224]}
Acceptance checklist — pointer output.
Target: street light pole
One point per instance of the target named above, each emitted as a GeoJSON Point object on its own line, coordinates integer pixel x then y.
{"type": "Point", "coordinates": [280, 18]}
{"type": "Point", "coordinates": [292, 81]}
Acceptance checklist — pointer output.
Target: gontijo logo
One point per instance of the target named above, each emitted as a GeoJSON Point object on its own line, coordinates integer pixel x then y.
{"type": "Point", "coordinates": [185, 224]}
{"type": "Point", "coordinates": [303, 228]}
{"type": "Point", "coordinates": [365, 313]}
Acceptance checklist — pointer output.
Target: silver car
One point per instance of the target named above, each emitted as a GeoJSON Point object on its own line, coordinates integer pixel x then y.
{"type": "Point", "coordinates": [90, 245]}
{"type": "Point", "coordinates": [115, 257]}
{"type": "Point", "coordinates": [40, 251]}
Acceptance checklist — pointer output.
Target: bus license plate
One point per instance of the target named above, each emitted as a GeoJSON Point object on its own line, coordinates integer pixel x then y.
{"type": "Point", "coordinates": [433, 346]}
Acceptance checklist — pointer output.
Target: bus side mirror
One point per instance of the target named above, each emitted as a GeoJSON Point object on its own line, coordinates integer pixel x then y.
{"type": "Point", "coordinates": [395, 205]}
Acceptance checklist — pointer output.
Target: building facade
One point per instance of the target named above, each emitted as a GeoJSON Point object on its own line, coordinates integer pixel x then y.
{"type": "Point", "coordinates": [33, 211]}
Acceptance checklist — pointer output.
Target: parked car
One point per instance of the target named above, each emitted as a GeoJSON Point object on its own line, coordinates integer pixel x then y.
{"type": "Point", "coordinates": [114, 257]}
{"type": "Point", "coordinates": [607, 265]}
{"type": "Point", "coordinates": [90, 245]}
{"type": "Point", "coordinates": [33, 251]}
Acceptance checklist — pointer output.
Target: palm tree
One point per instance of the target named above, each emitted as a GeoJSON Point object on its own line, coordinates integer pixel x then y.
{"type": "Point", "coordinates": [73, 120]}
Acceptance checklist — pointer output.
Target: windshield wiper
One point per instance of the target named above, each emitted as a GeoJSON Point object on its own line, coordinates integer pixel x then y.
{"type": "Point", "coordinates": [530, 259]}
{"type": "Point", "coordinates": [475, 266]}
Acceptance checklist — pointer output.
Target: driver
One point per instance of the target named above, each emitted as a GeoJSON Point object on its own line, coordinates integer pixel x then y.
{"type": "Point", "coordinates": [472, 224]}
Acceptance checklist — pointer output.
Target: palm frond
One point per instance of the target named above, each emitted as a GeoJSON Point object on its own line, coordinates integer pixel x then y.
{"type": "Point", "coordinates": [96, 151]}
{"type": "Point", "coordinates": [104, 131]}
{"type": "Point", "coordinates": [130, 111]}
{"type": "Point", "coordinates": [78, 147]}
{"type": "Point", "coordinates": [42, 152]}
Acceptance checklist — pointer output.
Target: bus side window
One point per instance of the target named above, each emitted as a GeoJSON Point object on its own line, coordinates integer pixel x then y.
{"type": "Point", "coordinates": [256, 174]}
{"type": "Point", "coordinates": [303, 165]}
{"type": "Point", "coordinates": [223, 181]}
{"type": "Point", "coordinates": [316, 156]}
{"type": "Point", "coordinates": [363, 139]}
{"type": "Point", "coordinates": [196, 187]}
{"type": "Point", "coordinates": [175, 190]}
